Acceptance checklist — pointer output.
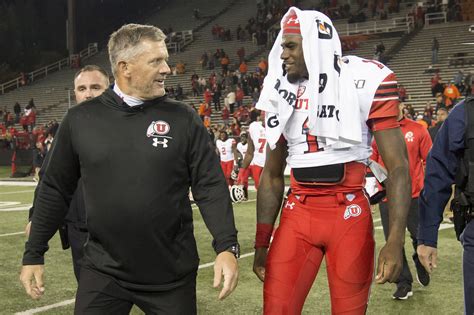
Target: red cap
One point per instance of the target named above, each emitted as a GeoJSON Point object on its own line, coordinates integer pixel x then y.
{"type": "Point", "coordinates": [292, 25]}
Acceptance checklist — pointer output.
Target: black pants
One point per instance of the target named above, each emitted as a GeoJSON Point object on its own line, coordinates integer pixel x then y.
{"type": "Point", "coordinates": [77, 239]}
{"type": "Point", "coordinates": [405, 278]}
{"type": "Point", "coordinates": [99, 294]}
{"type": "Point", "coordinates": [467, 240]}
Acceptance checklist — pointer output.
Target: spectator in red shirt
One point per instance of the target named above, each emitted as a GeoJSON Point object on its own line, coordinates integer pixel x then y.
{"type": "Point", "coordinates": [434, 82]}
{"type": "Point", "coordinates": [225, 116]}
{"type": "Point", "coordinates": [242, 114]}
{"type": "Point", "coordinates": [208, 96]}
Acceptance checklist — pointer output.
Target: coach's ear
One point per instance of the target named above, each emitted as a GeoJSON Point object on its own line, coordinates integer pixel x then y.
{"type": "Point", "coordinates": [123, 69]}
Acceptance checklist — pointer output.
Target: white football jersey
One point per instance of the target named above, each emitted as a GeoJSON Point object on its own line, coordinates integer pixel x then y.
{"type": "Point", "coordinates": [225, 149]}
{"type": "Point", "coordinates": [377, 90]}
{"type": "Point", "coordinates": [257, 133]}
{"type": "Point", "coordinates": [242, 148]}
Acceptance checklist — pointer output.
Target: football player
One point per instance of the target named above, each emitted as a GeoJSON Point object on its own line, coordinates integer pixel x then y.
{"type": "Point", "coordinates": [327, 214]}
{"type": "Point", "coordinates": [256, 152]}
{"type": "Point", "coordinates": [226, 148]}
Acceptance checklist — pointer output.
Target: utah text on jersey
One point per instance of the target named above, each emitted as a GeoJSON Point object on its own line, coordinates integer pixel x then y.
{"type": "Point", "coordinates": [158, 130]}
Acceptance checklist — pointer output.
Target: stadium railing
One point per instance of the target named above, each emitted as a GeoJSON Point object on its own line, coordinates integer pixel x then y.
{"type": "Point", "coordinates": [435, 18]}
{"type": "Point", "coordinates": [176, 41]}
{"type": "Point", "coordinates": [382, 26]}
{"type": "Point", "coordinates": [91, 50]}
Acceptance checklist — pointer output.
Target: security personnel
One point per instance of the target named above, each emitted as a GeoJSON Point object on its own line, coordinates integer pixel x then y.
{"type": "Point", "coordinates": [445, 166]}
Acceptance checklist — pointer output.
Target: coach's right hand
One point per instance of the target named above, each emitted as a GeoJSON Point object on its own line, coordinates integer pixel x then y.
{"type": "Point", "coordinates": [32, 279]}
{"type": "Point", "coordinates": [259, 260]}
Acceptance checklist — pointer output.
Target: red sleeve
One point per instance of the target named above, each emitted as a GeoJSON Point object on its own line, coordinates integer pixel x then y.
{"type": "Point", "coordinates": [384, 109]}
{"type": "Point", "coordinates": [425, 143]}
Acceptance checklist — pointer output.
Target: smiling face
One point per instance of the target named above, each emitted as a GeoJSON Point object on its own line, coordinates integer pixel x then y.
{"type": "Point", "coordinates": [143, 76]}
{"type": "Point", "coordinates": [293, 58]}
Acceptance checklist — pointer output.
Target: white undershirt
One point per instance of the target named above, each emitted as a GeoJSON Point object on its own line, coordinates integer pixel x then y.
{"type": "Point", "coordinates": [129, 100]}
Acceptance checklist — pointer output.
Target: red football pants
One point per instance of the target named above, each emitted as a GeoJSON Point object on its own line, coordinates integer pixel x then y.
{"type": "Point", "coordinates": [256, 171]}
{"type": "Point", "coordinates": [227, 169]}
{"type": "Point", "coordinates": [338, 227]}
{"type": "Point", "coordinates": [243, 178]}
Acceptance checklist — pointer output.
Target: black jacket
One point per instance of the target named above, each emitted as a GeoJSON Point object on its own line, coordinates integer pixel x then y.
{"type": "Point", "coordinates": [136, 165]}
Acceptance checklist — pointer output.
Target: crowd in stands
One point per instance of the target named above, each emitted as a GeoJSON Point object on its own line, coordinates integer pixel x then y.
{"type": "Point", "coordinates": [269, 13]}
{"type": "Point", "coordinates": [18, 129]}
{"type": "Point", "coordinates": [460, 85]}
{"type": "Point", "coordinates": [446, 96]}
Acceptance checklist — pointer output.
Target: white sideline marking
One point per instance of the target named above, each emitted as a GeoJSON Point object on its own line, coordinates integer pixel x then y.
{"type": "Point", "coordinates": [17, 183]}
{"type": "Point", "coordinates": [10, 234]}
{"type": "Point", "coordinates": [443, 226]}
{"type": "Point", "coordinates": [13, 206]}
{"type": "Point", "coordinates": [15, 192]}
{"type": "Point", "coordinates": [68, 302]}
{"type": "Point", "coordinates": [47, 307]}
{"type": "Point", "coordinates": [22, 208]}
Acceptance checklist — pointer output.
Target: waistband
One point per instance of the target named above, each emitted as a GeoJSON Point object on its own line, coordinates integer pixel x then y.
{"type": "Point", "coordinates": [335, 198]}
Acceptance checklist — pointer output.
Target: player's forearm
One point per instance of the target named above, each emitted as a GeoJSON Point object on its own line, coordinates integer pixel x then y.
{"type": "Point", "coordinates": [269, 199]}
{"type": "Point", "coordinates": [399, 198]}
{"type": "Point", "coordinates": [247, 160]}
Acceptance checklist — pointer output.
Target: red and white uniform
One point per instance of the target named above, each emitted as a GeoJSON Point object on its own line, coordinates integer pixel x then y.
{"type": "Point", "coordinates": [227, 157]}
{"type": "Point", "coordinates": [330, 220]}
{"type": "Point", "coordinates": [257, 135]}
{"type": "Point", "coordinates": [242, 148]}
{"type": "Point", "coordinates": [244, 173]}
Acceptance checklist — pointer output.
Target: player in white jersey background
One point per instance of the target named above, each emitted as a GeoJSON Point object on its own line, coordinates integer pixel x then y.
{"type": "Point", "coordinates": [243, 173]}
{"type": "Point", "coordinates": [226, 148]}
{"type": "Point", "coordinates": [255, 158]}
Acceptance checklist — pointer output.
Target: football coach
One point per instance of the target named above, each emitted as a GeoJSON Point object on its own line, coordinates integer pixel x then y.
{"type": "Point", "coordinates": [137, 153]}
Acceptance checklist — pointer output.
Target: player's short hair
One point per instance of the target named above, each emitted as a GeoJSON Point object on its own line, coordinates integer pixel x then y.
{"type": "Point", "coordinates": [124, 44]}
{"type": "Point", "coordinates": [90, 68]}
{"type": "Point", "coordinates": [443, 109]}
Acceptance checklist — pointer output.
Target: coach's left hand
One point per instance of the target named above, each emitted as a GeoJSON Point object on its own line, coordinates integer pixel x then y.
{"type": "Point", "coordinates": [389, 262]}
{"type": "Point", "coordinates": [226, 265]}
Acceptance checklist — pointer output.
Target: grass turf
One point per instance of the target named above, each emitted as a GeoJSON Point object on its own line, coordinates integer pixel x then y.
{"type": "Point", "coordinates": [442, 296]}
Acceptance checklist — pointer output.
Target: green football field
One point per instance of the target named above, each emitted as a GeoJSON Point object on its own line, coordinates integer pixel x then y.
{"type": "Point", "coordinates": [442, 296]}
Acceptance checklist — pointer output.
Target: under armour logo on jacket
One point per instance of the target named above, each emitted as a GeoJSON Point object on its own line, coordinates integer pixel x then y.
{"type": "Point", "coordinates": [164, 142]}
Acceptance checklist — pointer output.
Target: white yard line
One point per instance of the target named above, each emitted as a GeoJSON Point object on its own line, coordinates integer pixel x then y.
{"type": "Point", "coordinates": [46, 307]}
{"type": "Point", "coordinates": [71, 301]}
{"type": "Point", "coordinates": [10, 234]}
{"type": "Point", "coordinates": [16, 183]}
{"type": "Point", "coordinates": [443, 226]}
{"type": "Point", "coordinates": [16, 192]}
{"type": "Point", "coordinates": [21, 208]}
